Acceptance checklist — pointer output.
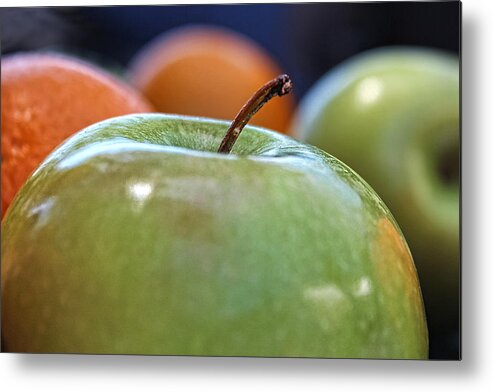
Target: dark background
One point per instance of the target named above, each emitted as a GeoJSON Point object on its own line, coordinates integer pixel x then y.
{"type": "Point", "coordinates": [307, 40]}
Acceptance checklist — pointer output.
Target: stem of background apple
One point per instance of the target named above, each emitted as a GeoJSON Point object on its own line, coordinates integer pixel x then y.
{"type": "Point", "coordinates": [279, 86]}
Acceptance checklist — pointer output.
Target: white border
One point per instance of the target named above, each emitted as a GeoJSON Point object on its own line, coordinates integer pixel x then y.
{"type": "Point", "coordinates": [474, 373]}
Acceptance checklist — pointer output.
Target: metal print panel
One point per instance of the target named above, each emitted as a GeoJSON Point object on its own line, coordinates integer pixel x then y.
{"type": "Point", "coordinates": [268, 180]}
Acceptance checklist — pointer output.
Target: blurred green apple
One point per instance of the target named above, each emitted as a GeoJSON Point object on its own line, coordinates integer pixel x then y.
{"type": "Point", "coordinates": [137, 237]}
{"type": "Point", "coordinates": [393, 116]}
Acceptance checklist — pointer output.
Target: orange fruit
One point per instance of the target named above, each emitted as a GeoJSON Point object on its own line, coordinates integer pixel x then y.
{"type": "Point", "coordinates": [208, 71]}
{"type": "Point", "coordinates": [45, 99]}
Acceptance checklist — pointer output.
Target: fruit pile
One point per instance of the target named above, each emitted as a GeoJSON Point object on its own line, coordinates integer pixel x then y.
{"type": "Point", "coordinates": [146, 217]}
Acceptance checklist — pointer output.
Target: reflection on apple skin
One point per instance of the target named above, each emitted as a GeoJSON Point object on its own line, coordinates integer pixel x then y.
{"type": "Point", "coordinates": [140, 192]}
{"type": "Point", "coordinates": [369, 91]}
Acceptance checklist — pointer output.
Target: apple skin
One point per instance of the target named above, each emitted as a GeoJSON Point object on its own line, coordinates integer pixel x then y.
{"type": "Point", "coordinates": [136, 237]}
{"type": "Point", "coordinates": [393, 116]}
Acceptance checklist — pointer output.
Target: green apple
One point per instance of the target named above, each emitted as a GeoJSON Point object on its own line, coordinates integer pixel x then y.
{"type": "Point", "coordinates": [393, 116]}
{"type": "Point", "coordinates": [135, 236]}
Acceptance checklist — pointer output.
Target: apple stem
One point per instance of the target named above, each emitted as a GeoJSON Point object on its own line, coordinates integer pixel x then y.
{"type": "Point", "coordinates": [279, 86]}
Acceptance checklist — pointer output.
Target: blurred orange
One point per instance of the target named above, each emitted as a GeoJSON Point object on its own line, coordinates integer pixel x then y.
{"type": "Point", "coordinates": [211, 72]}
{"type": "Point", "coordinates": [45, 99]}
